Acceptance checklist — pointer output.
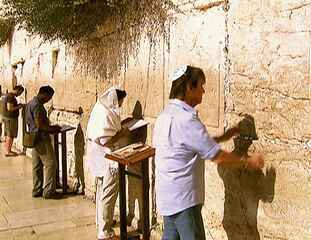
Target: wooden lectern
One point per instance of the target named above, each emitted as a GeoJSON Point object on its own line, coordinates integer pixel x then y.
{"type": "Point", "coordinates": [136, 152]}
{"type": "Point", "coordinates": [63, 143]}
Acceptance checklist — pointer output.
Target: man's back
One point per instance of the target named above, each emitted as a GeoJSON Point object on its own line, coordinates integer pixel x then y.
{"type": "Point", "coordinates": [181, 142]}
{"type": "Point", "coordinates": [9, 99]}
{"type": "Point", "coordinates": [35, 110]}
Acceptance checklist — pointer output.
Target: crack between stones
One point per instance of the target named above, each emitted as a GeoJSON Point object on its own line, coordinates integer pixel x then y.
{"type": "Point", "coordinates": [283, 94]}
{"type": "Point", "coordinates": [276, 140]}
{"type": "Point", "coordinates": [210, 5]}
{"type": "Point", "coordinates": [271, 90]}
{"type": "Point", "coordinates": [227, 63]}
{"type": "Point", "coordinates": [291, 32]}
{"type": "Point", "coordinates": [297, 7]}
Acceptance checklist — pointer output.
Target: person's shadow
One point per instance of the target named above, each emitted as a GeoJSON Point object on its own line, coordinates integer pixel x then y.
{"type": "Point", "coordinates": [243, 191]}
{"type": "Point", "coordinates": [79, 143]}
{"type": "Point", "coordinates": [134, 184]}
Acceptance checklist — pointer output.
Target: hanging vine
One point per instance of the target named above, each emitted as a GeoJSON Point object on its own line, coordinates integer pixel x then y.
{"type": "Point", "coordinates": [103, 33]}
{"type": "Point", "coordinates": [6, 29]}
{"type": "Point", "coordinates": [108, 49]}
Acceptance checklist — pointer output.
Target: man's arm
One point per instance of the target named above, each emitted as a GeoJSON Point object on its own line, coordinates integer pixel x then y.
{"type": "Point", "coordinates": [43, 124]}
{"type": "Point", "coordinates": [12, 108]}
{"type": "Point", "coordinates": [122, 133]}
{"type": "Point", "coordinates": [233, 161]}
{"type": "Point", "coordinates": [227, 135]}
{"type": "Point", "coordinates": [10, 101]}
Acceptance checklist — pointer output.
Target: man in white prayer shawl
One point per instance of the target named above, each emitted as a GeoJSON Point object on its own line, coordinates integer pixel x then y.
{"type": "Point", "coordinates": [103, 130]}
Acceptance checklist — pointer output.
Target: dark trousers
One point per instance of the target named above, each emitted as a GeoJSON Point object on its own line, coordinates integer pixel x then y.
{"type": "Point", "coordinates": [185, 225]}
{"type": "Point", "coordinates": [44, 168]}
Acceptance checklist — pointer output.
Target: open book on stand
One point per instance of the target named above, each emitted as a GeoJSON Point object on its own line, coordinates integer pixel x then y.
{"type": "Point", "coordinates": [132, 153]}
{"type": "Point", "coordinates": [134, 124]}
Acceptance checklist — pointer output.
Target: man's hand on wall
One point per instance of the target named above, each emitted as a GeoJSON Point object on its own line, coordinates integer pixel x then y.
{"type": "Point", "coordinates": [233, 131]}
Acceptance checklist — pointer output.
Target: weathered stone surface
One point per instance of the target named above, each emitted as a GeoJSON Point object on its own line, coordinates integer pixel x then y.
{"type": "Point", "coordinates": [144, 80]}
{"type": "Point", "coordinates": [197, 41]}
{"type": "Point", "coordinates": [270, 79]}
{"type": "Point", "coordinates": [289, 213]}
{"type": "Point", "coordinates": [271, 109]}
{"type": "Point", "coordinates": [256, 57]}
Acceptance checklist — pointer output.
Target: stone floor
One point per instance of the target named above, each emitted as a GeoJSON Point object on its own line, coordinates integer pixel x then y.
{"type": "Point", "coordinates": [23, 217]}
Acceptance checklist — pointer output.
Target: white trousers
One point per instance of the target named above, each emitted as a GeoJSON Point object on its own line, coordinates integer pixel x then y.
{"type": "Point", "coordinates": [106, 196]}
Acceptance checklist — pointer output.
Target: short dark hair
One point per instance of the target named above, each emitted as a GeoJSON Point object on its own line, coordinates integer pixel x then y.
{"type": "Point", "coordinates": [190, 77]}
{"type": "Point", "coordinates": [46, 90]}
{"type": "Point", "coordinates": [19, 88]}
{"type": "Point", "coordinates": [120, 94]}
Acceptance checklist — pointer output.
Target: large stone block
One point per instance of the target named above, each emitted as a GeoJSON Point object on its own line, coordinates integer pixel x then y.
{"type": "Point", "coordinates": [195, 40]}
{"type": "Point", "coordinates": [144, 79]}
{"type": "Point", "coordinates": [275, 114]}
{"type": "Point", "coordinates": [284, 213]}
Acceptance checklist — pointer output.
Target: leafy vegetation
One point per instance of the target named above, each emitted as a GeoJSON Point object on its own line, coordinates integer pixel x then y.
{"type": "Point", "coordinates": [103, 33]}
{"type": "Point", "coordinates": [6, 28]}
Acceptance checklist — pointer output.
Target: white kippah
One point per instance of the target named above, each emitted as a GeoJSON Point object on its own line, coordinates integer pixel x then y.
{"type": "Point", "coordinates": [181, 70]}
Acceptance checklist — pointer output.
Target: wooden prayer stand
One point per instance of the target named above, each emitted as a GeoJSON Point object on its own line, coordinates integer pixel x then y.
{"type": "Point", "coordinates": [142, 156]}
{"type": "Point", "coordinates": [63, 144]}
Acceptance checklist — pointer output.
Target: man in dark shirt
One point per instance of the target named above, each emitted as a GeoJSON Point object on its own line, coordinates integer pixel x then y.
{"type": "Point", "coordinates": [10, 118]}
{"type": "Point", "coordinates": [43, 158]}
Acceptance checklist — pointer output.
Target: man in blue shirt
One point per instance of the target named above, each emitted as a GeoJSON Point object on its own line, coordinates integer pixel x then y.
{"type": "Point", "coordinates": [43, 157]}
{"type": "Point", "coordinates": [182, 143]}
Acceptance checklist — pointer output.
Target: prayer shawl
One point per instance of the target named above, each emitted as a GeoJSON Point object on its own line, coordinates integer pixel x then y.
{"type": "Point", "coordinates": [103, 124]}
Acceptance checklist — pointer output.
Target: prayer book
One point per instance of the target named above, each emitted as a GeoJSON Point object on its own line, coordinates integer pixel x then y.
{"type": "Point", "coordinates": [134, 124]}
{"type": "Point", "coordinates": [132, 153]}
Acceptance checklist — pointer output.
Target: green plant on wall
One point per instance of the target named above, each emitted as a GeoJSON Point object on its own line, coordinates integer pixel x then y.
{"type": "Point", "coordinates": [108, 49]}
{"type": "Point", "coordinates": [103, 33]}
{"type": "Point", "coordinates": [67, 20]}
{"type": "Point", "coordinates": [6, 28]}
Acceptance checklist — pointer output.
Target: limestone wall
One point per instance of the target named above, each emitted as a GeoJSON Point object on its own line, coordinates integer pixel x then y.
{"type": "Point", "coordinates": [269, 51]}
{"type": "Point", "coordinates": [256, 56]}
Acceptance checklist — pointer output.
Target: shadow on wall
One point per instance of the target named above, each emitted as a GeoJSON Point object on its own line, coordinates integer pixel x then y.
{"type": "Point", "coordinates": [135, 185]}
{"type": "Point", "coordinates": [79, 143]}
{"type": "Point", "coordinates": [244, 188]}
{"type": "Point", "coordinates": [137, 111]}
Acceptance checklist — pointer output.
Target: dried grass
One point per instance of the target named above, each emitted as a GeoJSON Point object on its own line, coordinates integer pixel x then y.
{"type": "Point", "coordinates": [103, 33]}
{"type": "Point", "coordinates": [106, 52]}
{"type": "Point", "coordinates": [6, 29]}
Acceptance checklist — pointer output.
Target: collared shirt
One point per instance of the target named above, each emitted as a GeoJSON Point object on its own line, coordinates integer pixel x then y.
{"type": "Point", "coordinates": [182, 142]}
{"type": "Point", "coordinates": [34, 109]}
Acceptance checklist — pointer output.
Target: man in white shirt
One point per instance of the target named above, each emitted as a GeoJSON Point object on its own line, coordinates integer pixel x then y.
{"type": "Point", "coordinates": [103, 130]}
{"type": "Point", "coordinates": [182, 143]}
